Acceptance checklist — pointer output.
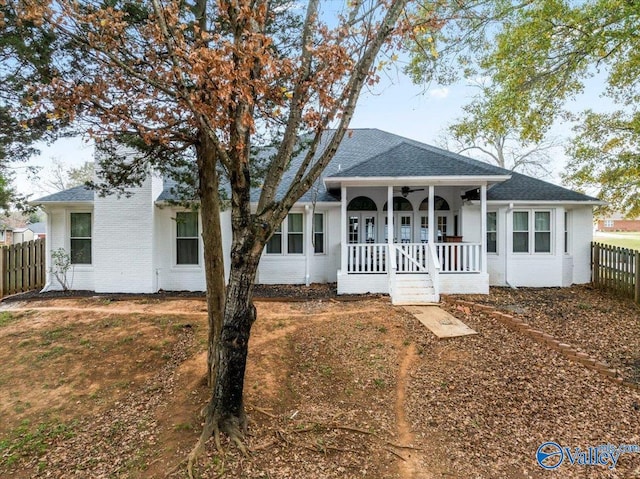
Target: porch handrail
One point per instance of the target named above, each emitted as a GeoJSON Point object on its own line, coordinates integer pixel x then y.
{"type": "Point", "coordinates": [402, 248]}
{"type": "Point", "coordinates": [392, 258]}
{"type": "Point", "coordinates": [434, 268]}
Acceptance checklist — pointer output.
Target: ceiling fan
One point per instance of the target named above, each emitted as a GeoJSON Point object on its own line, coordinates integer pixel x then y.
{"type": "Point", "coordinates": [405, 190]}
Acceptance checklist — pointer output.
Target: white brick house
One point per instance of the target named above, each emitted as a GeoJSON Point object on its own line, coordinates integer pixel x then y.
{"type": "Point", "coordinates": [390, 215]}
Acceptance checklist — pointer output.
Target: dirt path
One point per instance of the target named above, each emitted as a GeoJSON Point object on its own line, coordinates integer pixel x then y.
{"type": "Point", "coordinates": [411, 467]}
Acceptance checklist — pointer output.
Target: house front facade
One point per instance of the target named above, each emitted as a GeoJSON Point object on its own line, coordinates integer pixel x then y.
{"type": "Point", "coordinates": [390, 215]}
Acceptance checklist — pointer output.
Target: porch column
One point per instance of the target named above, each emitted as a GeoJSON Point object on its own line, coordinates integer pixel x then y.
{"type": "Point", "coordinates": [389, 214]}
{"type": "Point", "coordinates": [483, 228]}
{"type": "Point", "coordinates": [432, 217]}
{"type": "Point", "coordinates": [343, 230]}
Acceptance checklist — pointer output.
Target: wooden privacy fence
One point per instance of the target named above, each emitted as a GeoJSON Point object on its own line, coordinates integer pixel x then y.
{"type": "Point", "coordinates": [616, 269]}
{"type": "Point", "coordinates": [22, 267]}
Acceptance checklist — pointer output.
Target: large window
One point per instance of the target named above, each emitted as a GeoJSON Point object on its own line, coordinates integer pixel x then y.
{"type": "Point", "coordinates": [292, 231]}
{"type": "Point", "coordinates": [492, 232]}
{"type": "Point", "coordinates": [295, 238]}
{"type": "Point", "coordinates": [80, 238]}
{"type": "Point", "coordinates": [532, 231]}
{"type": "Point", "coordinates": [318, 233]}
{"type": "Point", "coordinates": [187, 237]}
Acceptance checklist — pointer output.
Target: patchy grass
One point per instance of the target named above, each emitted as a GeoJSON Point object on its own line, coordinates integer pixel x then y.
{"type": "Point", "coordinates": [624, 240]}
{"type": "Point", "coordinates": [333, 390]}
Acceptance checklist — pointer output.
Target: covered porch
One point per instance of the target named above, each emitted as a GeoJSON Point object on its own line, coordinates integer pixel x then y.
{"type": "Point", "coordinates": [413, 238]}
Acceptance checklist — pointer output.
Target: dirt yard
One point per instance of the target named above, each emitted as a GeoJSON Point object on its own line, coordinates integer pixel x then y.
{"type": "Point", "coordinates": [100, 388]}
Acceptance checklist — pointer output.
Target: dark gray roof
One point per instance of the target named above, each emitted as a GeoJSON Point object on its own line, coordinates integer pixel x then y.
{"type": "Point", "coordinates": [525, 188]}
{"type": "Point", "coordinates": [407, 159]}
{"type": "Point", "coordinates": [72, 195]}
{"type": "Point", "coordinates": [375, 153]}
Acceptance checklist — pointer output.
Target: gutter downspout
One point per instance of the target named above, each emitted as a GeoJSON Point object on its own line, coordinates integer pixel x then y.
{"type": "Point", "coordinates": [47, 255]}
{"type": "Point", "coordinates": [308, 246]}
{"type": "Point", "coordinates": [506, 239]}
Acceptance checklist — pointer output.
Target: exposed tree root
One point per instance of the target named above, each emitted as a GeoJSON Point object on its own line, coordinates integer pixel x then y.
{"type": "Point", "coordinates": [213, 427]}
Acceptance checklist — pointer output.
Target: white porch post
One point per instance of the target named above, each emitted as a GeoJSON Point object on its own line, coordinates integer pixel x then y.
{"type": "Point", "coordinates": [343, 229]}
{"type": "Point", "coordinates": [483, 227]}
{"type": "Point", "coordinates": [432, 217]}
{"type": "Point", "coordinates": [389, 214]}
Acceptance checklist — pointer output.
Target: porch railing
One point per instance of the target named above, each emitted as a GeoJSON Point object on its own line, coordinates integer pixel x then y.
{"type": "Point", "coordinates": [434, 269]}
{"type": "Point", "coordinates": [375, 258]}
{"type": "Point", "coordinates": [411, 257]}
{"type": "Point", "coordinates": [459, 257]}
{"type": "Point", "coordinates": [367, 258]}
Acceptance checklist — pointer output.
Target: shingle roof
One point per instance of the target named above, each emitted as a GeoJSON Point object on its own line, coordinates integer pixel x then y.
{"type": "Point", "coordinates": [407, 159]}
{"type": "Point", "coordinates": [525, 188]}
{"type": "Point", "coordinates": [77, 194]}
{"type": "Point", "coordinates": [375, 153]}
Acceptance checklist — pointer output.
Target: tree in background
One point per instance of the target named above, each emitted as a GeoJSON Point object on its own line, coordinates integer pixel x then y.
{"type": "Point", "coordinates": [485, 133]}
{"type": "Point", "coordinates": [60, 177]}
{"type": "Point", "coordinates": [456, 52]}
{"type": "Point", "coordinates": [195, 86]}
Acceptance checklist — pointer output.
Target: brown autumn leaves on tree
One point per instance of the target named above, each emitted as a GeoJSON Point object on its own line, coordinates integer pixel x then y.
{"type": "Point", "coordinates": [211, 80]}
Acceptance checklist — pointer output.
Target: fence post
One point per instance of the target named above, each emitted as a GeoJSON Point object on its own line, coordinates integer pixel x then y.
{"type": "Point", "coordinates": [637, 277]}
{"type": "Point", "coordinates": [3, 270]}
{"type": "Point", "coordinates": [595, 258]}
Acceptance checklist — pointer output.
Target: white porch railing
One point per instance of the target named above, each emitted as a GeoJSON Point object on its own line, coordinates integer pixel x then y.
{"type": "Point", "coordinates": [459, 257]}
{"type": "Point", "coordinates": [374, 258]}
{"type": "Point", "coordinates": [412, 257]}
{"type": "Point", "coordinates": [434, 270]}
{"type": "Point", "coordinates": [367, 258]}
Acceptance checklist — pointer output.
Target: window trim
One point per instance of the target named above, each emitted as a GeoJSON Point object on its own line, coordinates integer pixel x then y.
{"type": "Point", "coordinates": [492, 231]}
{"type": "Point", "coordinates": [175, 241]}
{"type": "Point", "coordinates": [531, 225]}
{"type": "Point", "coordinates": [323, 233]}
{"type": "Point", "coordinates": [297, 233]}
{"type": "Point", "coordinates": [284, 238]}
{"type": "Point", "coordinates": [90, 238]}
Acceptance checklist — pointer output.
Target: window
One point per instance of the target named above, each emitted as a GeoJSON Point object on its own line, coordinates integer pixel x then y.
{"type": "Point", "coordinates": [532, 228]}
{"type": "Point", "coordinates": [520, 231]}
{"type": "Point", "coordinates": [291, 230]}
{"type": "Point", "coordinates": [370, 229]}
{"type": "Point", "coordinates": [80, 238]}
{"type": "Point", "coordinates": [442, 227]}
{"type": "Point", "coordinates": [295, 238]}
{"type": "Point", "coordinates": [566, 232]}
{"type": "Point", "coordinates": [354, 222]}
{"type": "Point", "coordinates": [424, 229]}
{"type": "Point", "coordinates": [274, 245]}
{"type": "Point", "coordinates": [318, 233]}
{"type": "Point", "coordinates": [187, 237]}
{"type": "Point", "coordinates": [608, 223]}
{"type": "Point", "coordinates": [542, 232]}
{"type": "Point", "coordinates": [492, 232]}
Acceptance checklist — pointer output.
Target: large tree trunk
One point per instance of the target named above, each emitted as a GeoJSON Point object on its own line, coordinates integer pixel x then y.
{"type": "Point", "coordinates": [213, 253]}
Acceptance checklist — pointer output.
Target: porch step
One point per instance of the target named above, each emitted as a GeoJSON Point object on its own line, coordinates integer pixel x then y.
{"type": "Point", "coordinates": [413, 289]}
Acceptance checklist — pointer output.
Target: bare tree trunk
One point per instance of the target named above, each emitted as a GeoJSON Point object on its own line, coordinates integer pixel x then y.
{"type": "Point", "coordinates": [213, 254]}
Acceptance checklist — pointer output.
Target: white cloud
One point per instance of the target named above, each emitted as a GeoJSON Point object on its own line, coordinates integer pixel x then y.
{"type": "Point", "coordinates": [439, 93]}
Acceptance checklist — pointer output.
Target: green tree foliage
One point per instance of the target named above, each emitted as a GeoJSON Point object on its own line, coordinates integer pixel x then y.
{"type": "Point", "coordinates": [25, 60]}
{"type": "Point", "coordinates": [537, 55]}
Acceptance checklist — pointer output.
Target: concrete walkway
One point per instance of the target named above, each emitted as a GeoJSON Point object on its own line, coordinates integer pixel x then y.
{"type": "Point", "coordinates": [439, 322]}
